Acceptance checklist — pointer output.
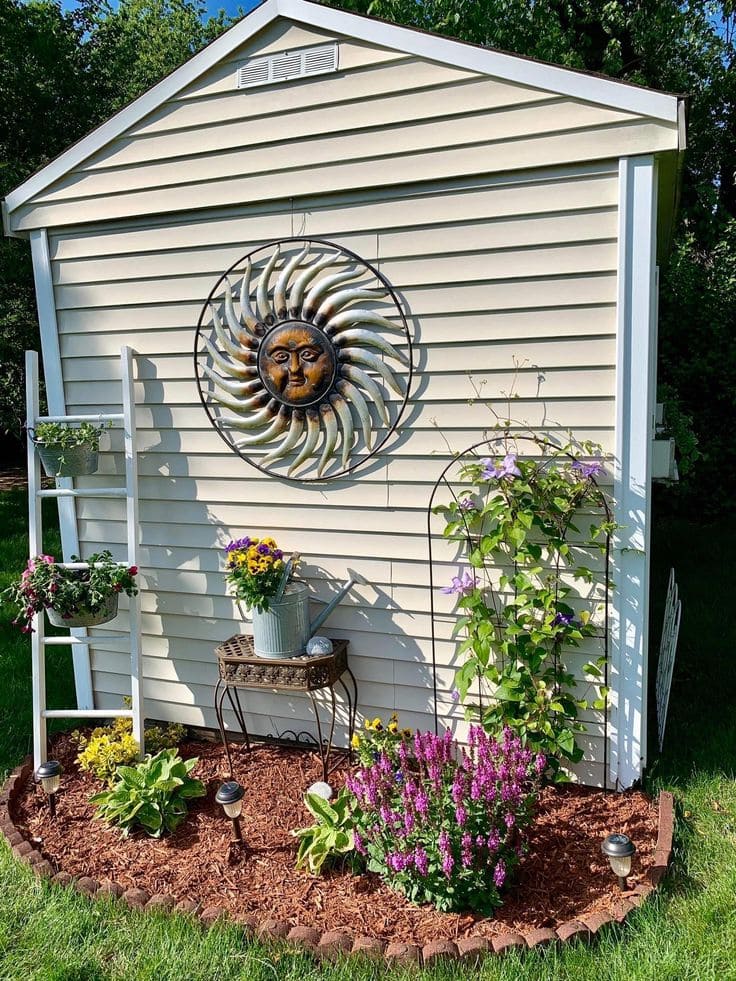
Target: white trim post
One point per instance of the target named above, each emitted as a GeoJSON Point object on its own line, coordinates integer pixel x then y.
{"type": "Point", "coordinates": [38, 666]}
{"type": "Point", "coordinates": [51, 354]}
{"type": "Point", "coordinates": [131, 505]}
{"type": "Point", "coordinates": [635, 404]}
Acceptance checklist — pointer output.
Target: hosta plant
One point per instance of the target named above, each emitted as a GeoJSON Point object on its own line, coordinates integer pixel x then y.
{"type": "Point", "coordinates": [152, 795]}
{"type": "Point", "coordinates": [446, 825]}
{"type": "Point", "coordinates": [330, 836]}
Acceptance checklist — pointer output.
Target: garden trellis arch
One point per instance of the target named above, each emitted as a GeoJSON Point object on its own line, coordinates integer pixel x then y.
{"type": "Point", "coordinates": [492, 445]}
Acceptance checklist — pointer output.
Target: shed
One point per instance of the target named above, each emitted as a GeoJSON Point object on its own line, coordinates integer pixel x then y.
{"type": "Point", "coordinates": [516, 208]}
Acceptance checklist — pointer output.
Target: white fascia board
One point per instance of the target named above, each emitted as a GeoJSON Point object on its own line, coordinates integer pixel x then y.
{"type": "Point", "coordinates": [507, 67]}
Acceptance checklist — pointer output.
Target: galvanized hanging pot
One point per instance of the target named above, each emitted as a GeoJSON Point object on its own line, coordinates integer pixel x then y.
{"type": "Point", "coordinates": [74, 461]}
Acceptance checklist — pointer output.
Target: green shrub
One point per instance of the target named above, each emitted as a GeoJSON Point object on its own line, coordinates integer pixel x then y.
{"type": "Point", "coordinates": [108, 747]}
{"type": "Point", "coordinates": [152, 794]}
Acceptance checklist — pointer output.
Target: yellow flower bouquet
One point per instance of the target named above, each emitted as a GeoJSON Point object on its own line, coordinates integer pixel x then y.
{"type": "Point", "coordinates": [256, 571]}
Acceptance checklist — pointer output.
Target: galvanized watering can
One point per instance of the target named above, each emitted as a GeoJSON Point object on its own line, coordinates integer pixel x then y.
{"type": "Point", "coordinates": [284, 629]}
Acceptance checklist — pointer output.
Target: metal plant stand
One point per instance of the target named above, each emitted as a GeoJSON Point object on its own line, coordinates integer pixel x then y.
{"type": "Point", "coordinates": [240, 668]}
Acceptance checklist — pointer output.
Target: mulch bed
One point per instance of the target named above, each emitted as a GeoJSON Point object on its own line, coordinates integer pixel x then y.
{"type": "Point", "coordinates": [563, 877]}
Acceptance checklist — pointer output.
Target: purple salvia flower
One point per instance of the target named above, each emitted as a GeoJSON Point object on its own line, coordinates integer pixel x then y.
{"type": "Point", "coordinates": [467, 850]}
{"type": "Point", "coordinates": [509, 819]}
{"type": "Point", "coordinates": [421, 860]}
{"type": "Point", "coordinates": [461, 816]}
{"type": "Point", "coordinates": [499, 873]}
{"type": "Point", "coordinates": [359, 844]}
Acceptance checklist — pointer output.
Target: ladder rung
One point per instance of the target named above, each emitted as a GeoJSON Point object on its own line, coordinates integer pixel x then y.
{"type": "Point", "coordinates": [100, 417]}
{"type": "Point", "coordinates": [58, 641]}
{"type": "Point", "coordinates": [87, 713]}
{"type": "Point", "coordinates": [84, 492]}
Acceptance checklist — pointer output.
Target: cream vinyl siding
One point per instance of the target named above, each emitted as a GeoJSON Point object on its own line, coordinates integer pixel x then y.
{"type": "Point", "coordinates": [495, 270]}
{"type": "Point", "coordinates": [384, 119]}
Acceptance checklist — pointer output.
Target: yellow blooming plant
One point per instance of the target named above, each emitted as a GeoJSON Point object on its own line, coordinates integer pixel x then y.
{"type": "Point", "coordinates": [377, 738]}
{"type": "Point", "coordinates": [256, 571]}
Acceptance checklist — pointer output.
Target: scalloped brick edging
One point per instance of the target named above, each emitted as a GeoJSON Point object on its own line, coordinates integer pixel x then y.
{"type": "Point", "coordinates": [336, 943]}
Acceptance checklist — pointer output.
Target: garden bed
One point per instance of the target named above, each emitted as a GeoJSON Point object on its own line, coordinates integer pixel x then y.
{"type": "Point", "coordinates": [563, 877]}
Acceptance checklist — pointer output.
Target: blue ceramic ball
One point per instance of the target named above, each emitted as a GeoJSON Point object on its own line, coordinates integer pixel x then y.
{"type": "Point", "coordinates": [319, 645]}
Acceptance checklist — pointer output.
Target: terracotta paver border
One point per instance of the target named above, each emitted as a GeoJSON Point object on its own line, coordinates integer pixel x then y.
{"type": "Point", "coordinates": [335, 943]}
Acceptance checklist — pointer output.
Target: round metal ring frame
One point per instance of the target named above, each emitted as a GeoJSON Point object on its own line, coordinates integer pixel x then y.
{"type": "Point", "coordinates": [294, 240]}
{"type": "Point", "coordinates": [442, 481]}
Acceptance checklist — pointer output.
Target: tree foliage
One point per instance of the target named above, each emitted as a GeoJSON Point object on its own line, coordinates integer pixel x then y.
{"type": "Point", "coordinates": [62, 73]}
{"type": "Point", "coordinates": [680, 47]}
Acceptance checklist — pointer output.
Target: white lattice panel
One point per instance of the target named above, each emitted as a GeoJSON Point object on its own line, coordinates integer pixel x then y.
{"type": "Point", "coordinates": [667, 649]}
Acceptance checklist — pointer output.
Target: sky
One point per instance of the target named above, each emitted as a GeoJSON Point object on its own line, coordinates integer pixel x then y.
{"type": "Point", "coordinates": [229, 6]}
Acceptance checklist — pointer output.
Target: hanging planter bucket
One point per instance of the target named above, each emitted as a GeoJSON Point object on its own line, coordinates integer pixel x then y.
{"type": "Point", "coordinates": [74, 461]}
{"type": "Point", "coordinates": [85, 618]}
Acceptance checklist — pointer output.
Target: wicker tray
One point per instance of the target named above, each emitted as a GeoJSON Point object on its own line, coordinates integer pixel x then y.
{"type": "Point", "coordinates": [241, 667]}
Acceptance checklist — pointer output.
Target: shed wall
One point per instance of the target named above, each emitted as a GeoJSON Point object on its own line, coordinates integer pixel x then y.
{"type": "Point", "coordinates": [493, 270]}
{"type": "Point", "coordinates": [384, 119]}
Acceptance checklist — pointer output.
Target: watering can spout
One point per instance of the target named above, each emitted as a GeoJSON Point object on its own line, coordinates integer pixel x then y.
{"type": "Point", "coordinates": [355, 577]}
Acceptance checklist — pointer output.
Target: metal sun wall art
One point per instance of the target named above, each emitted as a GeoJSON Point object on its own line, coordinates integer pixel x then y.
{"type": "Point", "coordinates": [288, 353]}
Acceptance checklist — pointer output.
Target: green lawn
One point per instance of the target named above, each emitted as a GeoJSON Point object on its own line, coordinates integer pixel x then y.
{"type": "Point", "coordinates": [687, 932]}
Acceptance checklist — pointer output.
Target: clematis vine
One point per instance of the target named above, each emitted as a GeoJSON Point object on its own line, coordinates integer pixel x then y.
{"type": "Point", "coordinates": [463, 584]}
{"type": "Point", "coordinates": [507, 468]}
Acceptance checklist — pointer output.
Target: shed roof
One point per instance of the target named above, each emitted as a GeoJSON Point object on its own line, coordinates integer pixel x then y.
{"type": "Point", "coordinates": [591, 88]}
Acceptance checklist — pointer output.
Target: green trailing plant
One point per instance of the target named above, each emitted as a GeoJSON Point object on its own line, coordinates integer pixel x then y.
{"type": "Point", "coordinates": [63, 436]}
{"type": "Point", "coordinates": [106, 748]}
{"type": "Point", "coordinates": [516, 517]}
{"type": "Point", "coordinates": [330, 836]}
{"type": "Point", "coordinates": [152, 795]}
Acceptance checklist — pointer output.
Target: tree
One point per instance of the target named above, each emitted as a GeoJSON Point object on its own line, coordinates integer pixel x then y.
{"type": "Point", "coordinates": [682, 47]}
{"type": "Point", "coordinates": [61, 74]}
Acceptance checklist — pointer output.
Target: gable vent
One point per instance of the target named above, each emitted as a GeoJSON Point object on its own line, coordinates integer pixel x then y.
{"type": "Point", "coordinates": [288, 65]}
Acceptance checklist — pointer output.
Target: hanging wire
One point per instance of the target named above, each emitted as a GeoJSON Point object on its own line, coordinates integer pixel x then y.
{"type": "Point", "coordinates": [442, 481]}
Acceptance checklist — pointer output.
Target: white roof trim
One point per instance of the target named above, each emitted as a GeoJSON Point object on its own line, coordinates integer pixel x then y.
{"type": "Point", "coordinates": [512, 68]}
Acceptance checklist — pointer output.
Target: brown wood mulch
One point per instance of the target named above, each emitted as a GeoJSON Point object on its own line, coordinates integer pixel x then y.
{"type": "Point", "coordinates": [563, 877]}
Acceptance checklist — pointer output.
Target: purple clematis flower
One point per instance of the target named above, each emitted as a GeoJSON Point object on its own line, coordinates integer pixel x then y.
{"type": "Point", "coordinates": [507, 468]}
{"type": "Point", "coordinates": [562, 620]}
{"type": "Point", "coordinates": [467, 504]}
{"type": "Point", "coordinates": [588, 470]}
{"type": "Point", "coordinates": [463, 584]}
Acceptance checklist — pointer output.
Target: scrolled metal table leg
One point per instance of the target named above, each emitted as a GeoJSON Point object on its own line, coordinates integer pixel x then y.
{"type": "Point", "coordinates": [319, 736]}
{"type": "Point", "coordinates": [220, 691]}
{"type": "Point", "coordinates": [238, 710]}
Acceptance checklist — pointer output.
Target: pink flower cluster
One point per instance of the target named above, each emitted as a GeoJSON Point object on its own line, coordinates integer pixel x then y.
{"type": "Point", "coordinates": [446, 823]}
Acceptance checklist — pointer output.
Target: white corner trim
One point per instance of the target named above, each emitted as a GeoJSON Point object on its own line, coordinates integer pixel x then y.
{"type": "Point", "coordinates": [590, 88]}
{"type": "Point", "coordinates": [635, 407]}
{"type": "Point", "coordinates": [57, 406]}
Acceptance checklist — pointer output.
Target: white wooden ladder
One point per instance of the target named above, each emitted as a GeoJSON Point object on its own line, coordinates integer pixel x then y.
{"type": "Point", "coordinates": [79, 637]}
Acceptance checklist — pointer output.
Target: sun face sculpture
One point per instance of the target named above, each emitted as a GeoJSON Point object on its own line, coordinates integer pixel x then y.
{"type": "Point", "coordinates": [288, 354]}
